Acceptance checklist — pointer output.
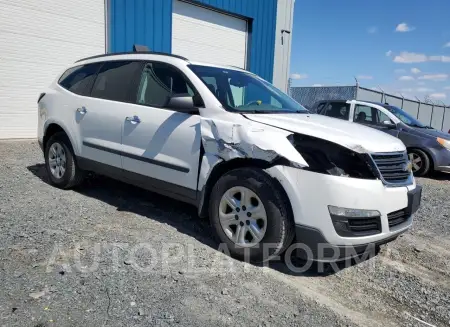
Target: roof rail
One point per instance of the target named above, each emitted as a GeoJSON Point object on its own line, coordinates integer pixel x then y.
{"type": "Point", "coordinates": [133, 53]}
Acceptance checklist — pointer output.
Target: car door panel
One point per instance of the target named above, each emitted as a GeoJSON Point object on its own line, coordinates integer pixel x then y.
{"type": "Point", "coordinates": [161, 144]}
{"type": "Point", "coordinates": [165, 145]}
{"type": "Point", "coordinates": [100, 130]}
{"type": "Point", "coordinates": [100, 115]}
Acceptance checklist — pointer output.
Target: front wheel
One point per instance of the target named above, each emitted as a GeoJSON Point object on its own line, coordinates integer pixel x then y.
{"type": "Point", "coordinates": [420, 162]}
{"type": "Point", "coordinates": [250, 214]}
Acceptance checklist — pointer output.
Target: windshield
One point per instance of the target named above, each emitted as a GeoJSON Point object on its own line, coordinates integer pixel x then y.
{"type": "Point", "coordinates": [405, 117]}
{"type": "Point", "coordinates": [244, 92]}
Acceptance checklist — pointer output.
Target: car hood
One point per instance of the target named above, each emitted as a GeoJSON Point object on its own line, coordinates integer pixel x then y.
{"type": "Point", "coordinates": [356, 137]}
{"type": "Point", "coordinates": [432, 132]}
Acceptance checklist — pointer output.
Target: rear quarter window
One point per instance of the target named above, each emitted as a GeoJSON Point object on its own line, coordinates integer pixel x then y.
{"type": "Point", "coordinates": [80, 79]}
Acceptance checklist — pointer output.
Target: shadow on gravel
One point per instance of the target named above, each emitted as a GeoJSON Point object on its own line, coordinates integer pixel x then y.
{"type": "Point", "coordinates": [178, 214]}
{"type": "Point", "coordinates": [440, 176]}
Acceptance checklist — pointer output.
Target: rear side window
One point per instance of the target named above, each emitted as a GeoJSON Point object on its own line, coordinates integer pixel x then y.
{"type": "Point", "coordinates": [79, 79]}
{"type": "Point", "coordinates": [116, 80]}
{"type": "Point", "coordinates": [340, 110]}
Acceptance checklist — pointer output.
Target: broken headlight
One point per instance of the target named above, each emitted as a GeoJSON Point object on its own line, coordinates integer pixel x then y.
{"type": "Point", "coordinates": [330, 158]}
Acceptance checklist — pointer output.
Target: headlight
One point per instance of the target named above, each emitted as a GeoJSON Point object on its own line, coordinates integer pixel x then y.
{"type": "Point", "coordinates": [443, 142]}
{"type": "Point", "coordinates": [330, 158]}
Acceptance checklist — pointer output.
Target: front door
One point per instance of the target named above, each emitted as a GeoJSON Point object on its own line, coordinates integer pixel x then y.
{"type": "Point", "coordinates": [161, 147]}
{"type": "Point", "coordinates": [375, 118]}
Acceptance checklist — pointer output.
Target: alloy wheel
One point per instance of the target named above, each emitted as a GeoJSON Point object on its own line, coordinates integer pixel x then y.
{"type": "Point", "coordinates": [242, 216]}
{"type": "Point", "coordinates": [57, 160]}
{"type": "Point", "coordinates": [416, 161]}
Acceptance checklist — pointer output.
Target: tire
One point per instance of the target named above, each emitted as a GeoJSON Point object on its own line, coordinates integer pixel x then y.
{"type": "Point", "coordinates": [72, 175]}
{"type": "Point", "coordinates": [277, 228]}
{"type": "Point", "coordinates": [421, 162]}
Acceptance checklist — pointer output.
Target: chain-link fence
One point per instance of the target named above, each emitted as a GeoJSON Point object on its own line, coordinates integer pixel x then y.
{"type": "Point", "coordinates": [434, 115]}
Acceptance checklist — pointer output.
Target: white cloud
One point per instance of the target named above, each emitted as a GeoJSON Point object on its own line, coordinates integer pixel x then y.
{"type": "Point", "coordinates": [406, 78]}
{"type": "Point", "coordinates": [438, 95]}
{"type": "Point", "coordinates": [407, 90]}
{"type": "Point", "coordinates": [388, 53]}
{"type": "Point", "coordinates": [317, 85]}
{"type": "Point", "coordinates": [403, 27]}
{"type": "Point", "coordinates": [372, 30]}
{"type": "Point", "coordinates": [410, 57]}
{"type": "Point", "coordinates": [447, 88]}
{"type": "Point", "coordinates": [440, 58]}
{"type": "Point", "coordinates": [415, 70]}
{"type": "Point", "coordinates": [421, 83]}
{"type": "Point", "coordinates": [447, 45]}
{"type": "Point", "coordinates": [400, 71]}
{"type": "Point", "coordinates": [364, 77]}
{"type": "Point", "coordinates": [299, 76]}
{"type": "Point", "coordinates": [434, 77]}
{"type": "Point", "coordinates": [424, 90]}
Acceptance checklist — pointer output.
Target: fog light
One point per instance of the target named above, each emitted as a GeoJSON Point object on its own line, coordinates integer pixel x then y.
{"type": "Point", "coordinates": [352, 213]}
{"type": "Point", "coordinates": [355, 222]}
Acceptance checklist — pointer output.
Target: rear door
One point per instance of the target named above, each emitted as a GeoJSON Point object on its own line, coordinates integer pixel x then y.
{"type": "Point", "coordinates": [161, 147]}
{"type": "Point", "coordinates": [101, 116]}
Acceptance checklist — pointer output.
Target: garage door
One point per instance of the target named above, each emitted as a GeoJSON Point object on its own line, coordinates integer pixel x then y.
{"type": "Point", "coordinates": [201, 34]}
{"type": "Point", "coordinates": [37, 40]}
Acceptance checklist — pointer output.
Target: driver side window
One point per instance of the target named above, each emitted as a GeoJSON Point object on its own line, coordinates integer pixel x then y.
{"type": "Point", "coordinates": [159, 82]}
{"type": "Point", "coordinates": [381, 117]}
{"type": "Point", "coordinates": [369, 115]}
{"type": "Point", "coordinates": [363, 115]}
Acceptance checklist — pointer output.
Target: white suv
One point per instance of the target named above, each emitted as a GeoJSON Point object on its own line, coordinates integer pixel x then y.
{"type": "Point", "coordinates": [263, 168]}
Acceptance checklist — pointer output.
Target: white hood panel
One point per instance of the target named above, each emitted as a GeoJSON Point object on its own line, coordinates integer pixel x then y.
{"type": "Point", "coordinates": [351, 135]}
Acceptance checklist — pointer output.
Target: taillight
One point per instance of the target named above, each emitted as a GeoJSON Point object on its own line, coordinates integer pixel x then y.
{"type": "Point", "coordinates": [40, 97]}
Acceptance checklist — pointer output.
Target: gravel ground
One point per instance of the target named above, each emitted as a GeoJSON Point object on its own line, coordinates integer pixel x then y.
{"type": "Point", "coordinates": [109, 254]}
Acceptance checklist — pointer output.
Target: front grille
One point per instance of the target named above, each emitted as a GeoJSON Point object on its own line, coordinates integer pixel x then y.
{"type": "Point", "coordinates": [397, 217]}
{"type": "Point", "coordinates": [364, 226]}
{"type": "Point", "coordinates": [392, 167]}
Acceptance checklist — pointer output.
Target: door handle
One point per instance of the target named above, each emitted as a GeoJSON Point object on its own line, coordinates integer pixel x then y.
{"type": "Point", "coordinates": [134, 120]}
{"type": "Point", "coordinates": [82, 110]}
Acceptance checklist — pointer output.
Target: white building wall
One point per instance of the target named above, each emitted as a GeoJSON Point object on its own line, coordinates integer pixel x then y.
{"type": "Point", "coordinates": [283, 37]}
{"type": "Point", "coordinates": [38, 39]}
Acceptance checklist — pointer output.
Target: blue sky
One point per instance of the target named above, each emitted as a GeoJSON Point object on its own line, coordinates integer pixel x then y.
{"type": "Point", "coordinates": [402, 46]}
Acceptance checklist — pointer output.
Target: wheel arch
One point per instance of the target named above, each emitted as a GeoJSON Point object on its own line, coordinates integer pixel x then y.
{"type": "Point", "coordinates": [55, 127]}
{"type": "Point", "coordinates": [224, 167]}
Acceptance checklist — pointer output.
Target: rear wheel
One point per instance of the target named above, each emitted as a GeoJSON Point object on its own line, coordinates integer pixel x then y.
{"type": "Point", "coordinates": [250, 214]}
{"type": "Point", "coordinates": [420, 162]}
{"type": "Point", "coordinates": [60, 162]}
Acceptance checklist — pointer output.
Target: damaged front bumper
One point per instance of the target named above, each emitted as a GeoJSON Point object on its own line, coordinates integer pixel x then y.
{"type": "Point", "coordinates": [311, 194]}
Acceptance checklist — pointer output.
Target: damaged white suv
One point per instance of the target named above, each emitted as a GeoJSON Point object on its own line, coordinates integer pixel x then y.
{"type": "Point", "coordinates": [266, 171]}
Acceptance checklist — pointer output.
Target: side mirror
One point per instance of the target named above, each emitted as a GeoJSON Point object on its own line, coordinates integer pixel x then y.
{"type": "Point", "coordinates": [389, 124]}
{"type": "Point", "coordinates": [181, 103]}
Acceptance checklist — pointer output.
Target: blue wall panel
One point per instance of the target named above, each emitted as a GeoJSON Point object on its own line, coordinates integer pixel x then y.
{"type": "Point", "coordinates": [149, 22]}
